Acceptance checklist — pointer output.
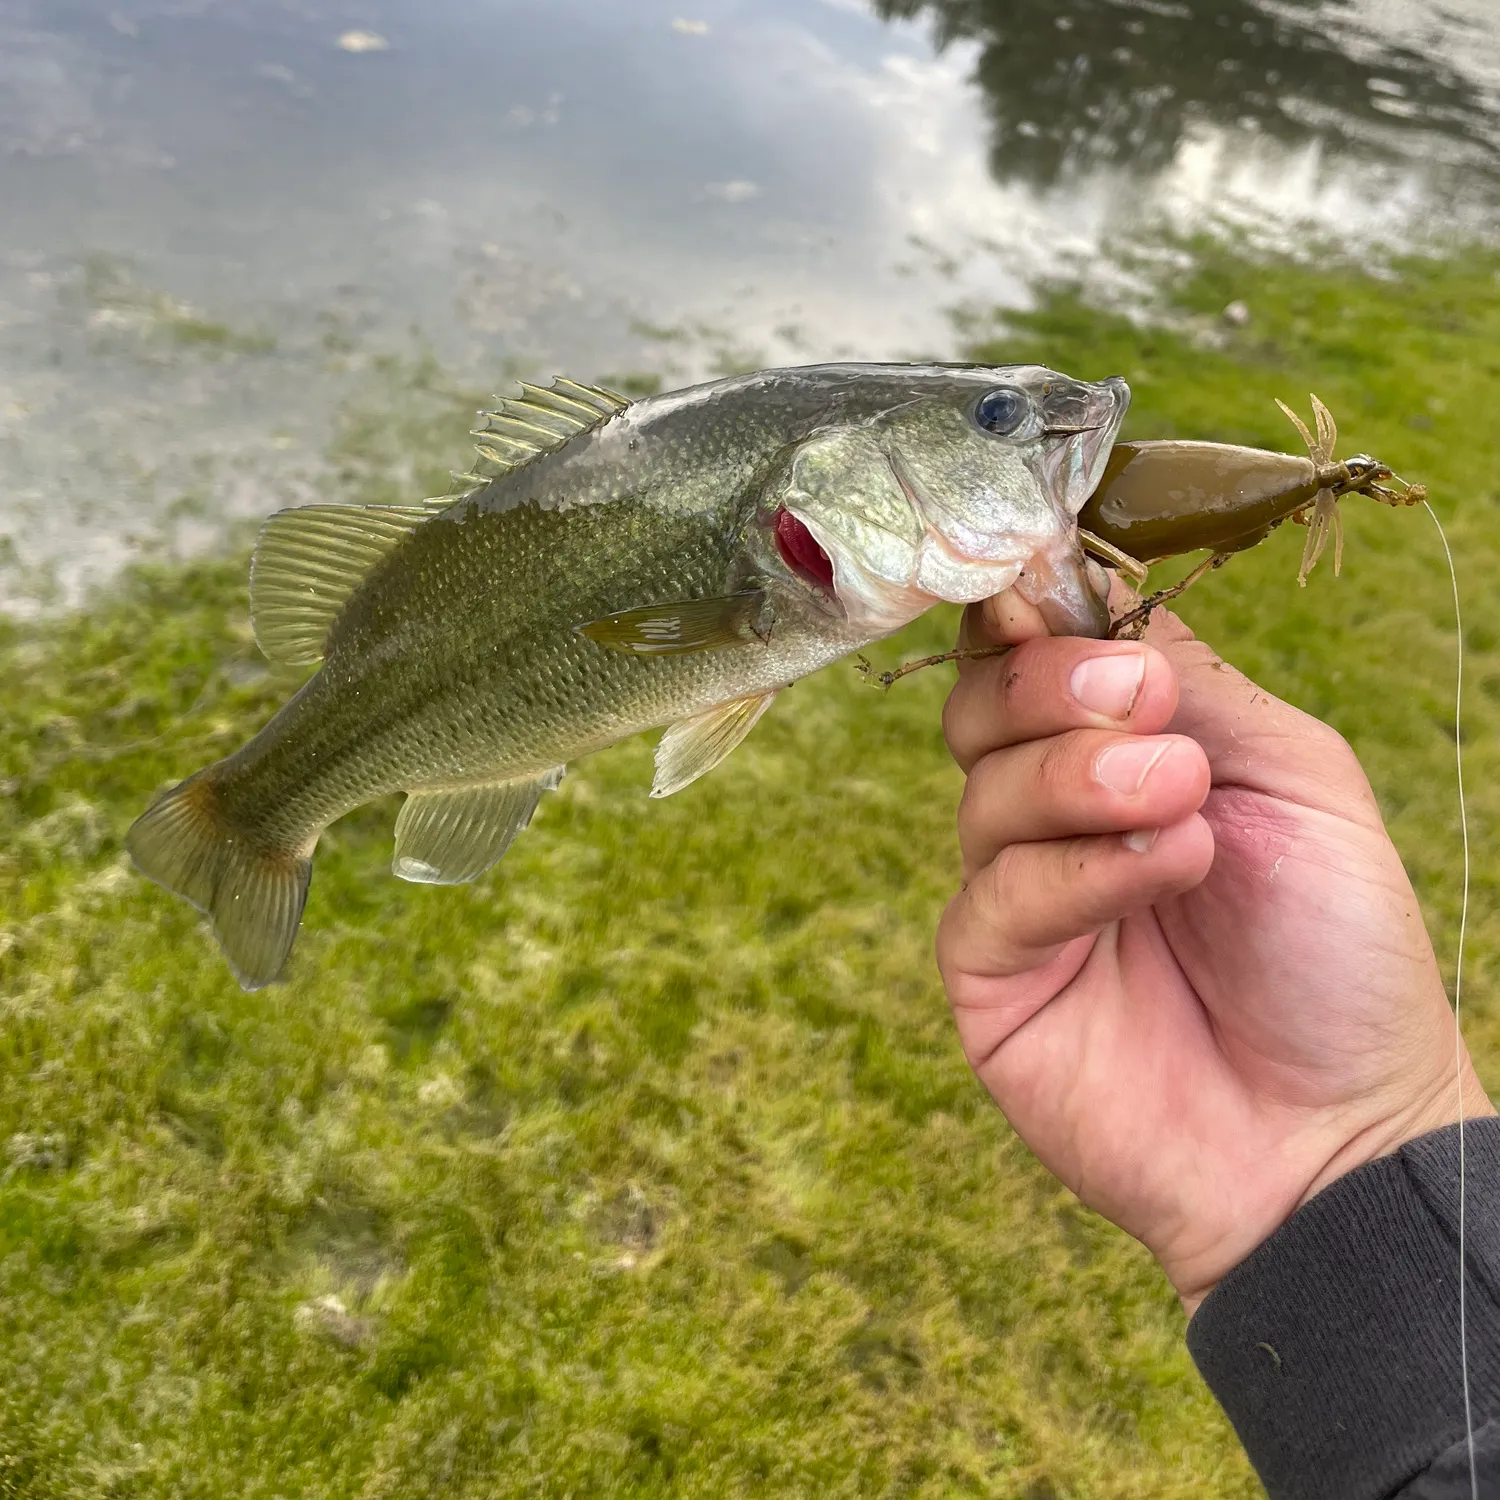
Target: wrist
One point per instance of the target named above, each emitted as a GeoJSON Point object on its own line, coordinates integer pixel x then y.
{"type": "Point", "coordinates": [1345, 1146]}
{"type": "Point", "coordinates": [1334, 1347]}
{"type": "Point", "coordinates": [1442, 1103]}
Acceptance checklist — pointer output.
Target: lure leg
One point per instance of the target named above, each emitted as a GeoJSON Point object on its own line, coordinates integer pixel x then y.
{"type": "Point", "coordinates": [1112, 556]}
{"type": "Point", "coordinates": [1129, 627]}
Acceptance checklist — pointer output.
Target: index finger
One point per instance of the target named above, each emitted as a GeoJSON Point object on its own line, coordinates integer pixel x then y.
{"type": "Point", "coordinates": [1048, 687]}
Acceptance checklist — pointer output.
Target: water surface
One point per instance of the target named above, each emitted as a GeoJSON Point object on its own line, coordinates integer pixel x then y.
{"type": "Point", "coordinates": [221, 214]}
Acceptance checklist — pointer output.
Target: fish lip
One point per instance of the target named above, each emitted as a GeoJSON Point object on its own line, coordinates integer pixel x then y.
{"type": "Point", "coordinates": [985, 575]}
{"type": "Point", "coordinates": [1082, 422]}
{"type": "Point", "coordinates": [940, 570]}
{"type": "Point", "coordinates": [1060, 582]}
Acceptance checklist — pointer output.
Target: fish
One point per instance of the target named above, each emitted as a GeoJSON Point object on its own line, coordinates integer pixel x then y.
{"type": "Point", "coordinates": [608, 567]}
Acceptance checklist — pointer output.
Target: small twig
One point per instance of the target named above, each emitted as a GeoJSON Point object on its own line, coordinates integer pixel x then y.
{"type": "Point", "coordinates": [886, 680]}
{"type": "Point", "coordinates": [1132, 626]}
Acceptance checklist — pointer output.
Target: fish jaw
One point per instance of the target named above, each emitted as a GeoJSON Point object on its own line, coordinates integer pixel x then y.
{"type": "Point", "coordinates": [1071, 596]}
{"type": "Point", "coordinates": [1055, 578]}
{"type": "Point", "coordinates": [1085, 422]}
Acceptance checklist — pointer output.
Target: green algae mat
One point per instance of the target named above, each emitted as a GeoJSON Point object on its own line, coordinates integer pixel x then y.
{"type": "Point", "coordinates": [649, 1165]}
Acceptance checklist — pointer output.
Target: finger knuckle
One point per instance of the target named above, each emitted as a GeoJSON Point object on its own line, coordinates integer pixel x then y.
{"type": "Point", "coordinates": [980, 789]}
{"type": "Point", "coordinates": [1335, 753]}
{"type": "Point", "coordinates": [1060, 766]}
{"type": "Point", "coordinates": [1000, 882]}
{"type": "Point", "coordinates": [1343, 767]}
{"type": "Point", "coordinates": [1336, 747]}
{"type": "Point", "coordinates": [958, 713]}
{"type": "Point", "coordinates": [945, 941]}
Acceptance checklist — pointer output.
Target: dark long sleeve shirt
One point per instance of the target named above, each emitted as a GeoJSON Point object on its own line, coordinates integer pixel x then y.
{"type": "Point", "coordinates": [1334, 1347]}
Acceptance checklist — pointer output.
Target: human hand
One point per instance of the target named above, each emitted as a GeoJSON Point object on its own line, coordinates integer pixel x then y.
{"type": "Point", "coordinates": [1186, 962]}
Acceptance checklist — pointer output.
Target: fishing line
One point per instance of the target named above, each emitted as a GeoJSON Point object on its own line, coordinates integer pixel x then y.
{"type": "Point", "coordinates": [1458, 982]}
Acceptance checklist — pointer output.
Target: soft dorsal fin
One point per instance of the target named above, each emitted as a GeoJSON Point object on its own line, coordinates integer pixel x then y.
{"type": "Point", "coordinates": [308, 561]}
{"type": "Point", "coordinates": [537, 421]}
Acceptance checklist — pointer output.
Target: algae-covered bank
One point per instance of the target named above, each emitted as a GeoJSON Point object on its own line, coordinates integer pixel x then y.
{"type": "Point", "coordinates": [649, 1164]}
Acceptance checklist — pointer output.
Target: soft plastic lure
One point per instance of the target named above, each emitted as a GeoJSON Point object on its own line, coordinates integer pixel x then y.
{"type": "Point", "coordinates": [1161, 499]}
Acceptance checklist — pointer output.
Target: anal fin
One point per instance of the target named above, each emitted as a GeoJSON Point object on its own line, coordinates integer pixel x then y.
{"type": "Point", "coordinates": [453, 835]}
{"type": "Point", "coordinates": [693, 747]}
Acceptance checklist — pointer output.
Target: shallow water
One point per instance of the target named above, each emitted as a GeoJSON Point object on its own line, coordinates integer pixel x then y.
{"type": "Point", "coordinates": [219, 216]}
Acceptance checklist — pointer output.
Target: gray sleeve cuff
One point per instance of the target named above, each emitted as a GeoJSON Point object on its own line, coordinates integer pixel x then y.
{"type": "Point", "coordinates": [1334, 1348]}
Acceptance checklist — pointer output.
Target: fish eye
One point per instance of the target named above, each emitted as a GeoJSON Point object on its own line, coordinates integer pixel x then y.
{"type": "Point", "coordinates": [1002, 410]}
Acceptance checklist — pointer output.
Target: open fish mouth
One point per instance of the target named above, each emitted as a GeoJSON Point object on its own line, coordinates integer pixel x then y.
{"type": "Point", "coordinates": [1088, 420]}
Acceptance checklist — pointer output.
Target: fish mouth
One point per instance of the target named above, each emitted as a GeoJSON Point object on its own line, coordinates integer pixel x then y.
{"type": "Point", "coordinates": [1079, 425]}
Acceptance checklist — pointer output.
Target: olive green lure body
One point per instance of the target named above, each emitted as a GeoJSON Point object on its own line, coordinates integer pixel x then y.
{"type": "Point", "coordinates": [1163, 498]}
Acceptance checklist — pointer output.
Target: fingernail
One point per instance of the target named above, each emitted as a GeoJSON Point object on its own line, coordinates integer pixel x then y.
{"type": "Point", "coordinates": [1109, 684]}
{"type": "Point", "coordinates": [1140, 840]}
{"type": "Point", "coordinates": [1124, 768]}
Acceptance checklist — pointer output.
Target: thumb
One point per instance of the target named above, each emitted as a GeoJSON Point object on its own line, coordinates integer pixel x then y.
{"type": "Point", "coordinates": [1007, 619]}
{"type": "Point", "coordinates": [1001, 620]}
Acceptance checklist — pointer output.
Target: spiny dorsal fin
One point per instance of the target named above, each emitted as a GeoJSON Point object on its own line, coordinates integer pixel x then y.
{"type": "Point", "coordinates": [308, 561]}
{"type": "Point", "coordinates": [693, 747]}
{"type": "Point", "coordinates": [537, 421]}
{"type": "Point", "coordinates": [453, 835]}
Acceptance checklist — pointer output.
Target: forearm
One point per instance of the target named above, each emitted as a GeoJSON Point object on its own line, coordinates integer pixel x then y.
{"type": "Point", "coordinates": [1335, 1347]}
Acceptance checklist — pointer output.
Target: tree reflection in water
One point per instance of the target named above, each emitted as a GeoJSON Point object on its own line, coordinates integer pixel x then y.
{"type": "Point", "coordinates": [1121, 82]}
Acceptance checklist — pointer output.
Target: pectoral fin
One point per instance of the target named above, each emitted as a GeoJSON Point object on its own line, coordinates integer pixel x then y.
{"type": "Point", "coordinates": [685, 625]}
{"type": "Point", "coordinates": [693, 747]}
{"type": "Point", "coordinates": [452, 836]}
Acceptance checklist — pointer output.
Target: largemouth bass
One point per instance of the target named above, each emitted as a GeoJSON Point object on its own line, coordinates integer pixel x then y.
{"type": "Point", "coordinates": [611, 567]}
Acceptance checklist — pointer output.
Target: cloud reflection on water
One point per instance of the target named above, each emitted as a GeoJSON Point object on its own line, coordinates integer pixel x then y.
{"type": "Point", "coordinates": [524, 187]}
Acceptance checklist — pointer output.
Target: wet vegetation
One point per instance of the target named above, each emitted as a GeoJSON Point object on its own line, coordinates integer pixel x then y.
{"type": "Point", "coordinates": [649, 1165]}
{"type": "Point", "coordinates": [114, 301]}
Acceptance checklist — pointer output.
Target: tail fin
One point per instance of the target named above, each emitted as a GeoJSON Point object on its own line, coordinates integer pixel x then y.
{"type": "Point", "coordinates": [254, 897]}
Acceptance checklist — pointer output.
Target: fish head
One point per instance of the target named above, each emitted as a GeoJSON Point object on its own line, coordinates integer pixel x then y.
{"type": "Point", "coordinates": [966, 482]}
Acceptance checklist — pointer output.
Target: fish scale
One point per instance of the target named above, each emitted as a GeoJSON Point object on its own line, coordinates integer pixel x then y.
{"type": "Point", "coordinates": [613, 567]}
